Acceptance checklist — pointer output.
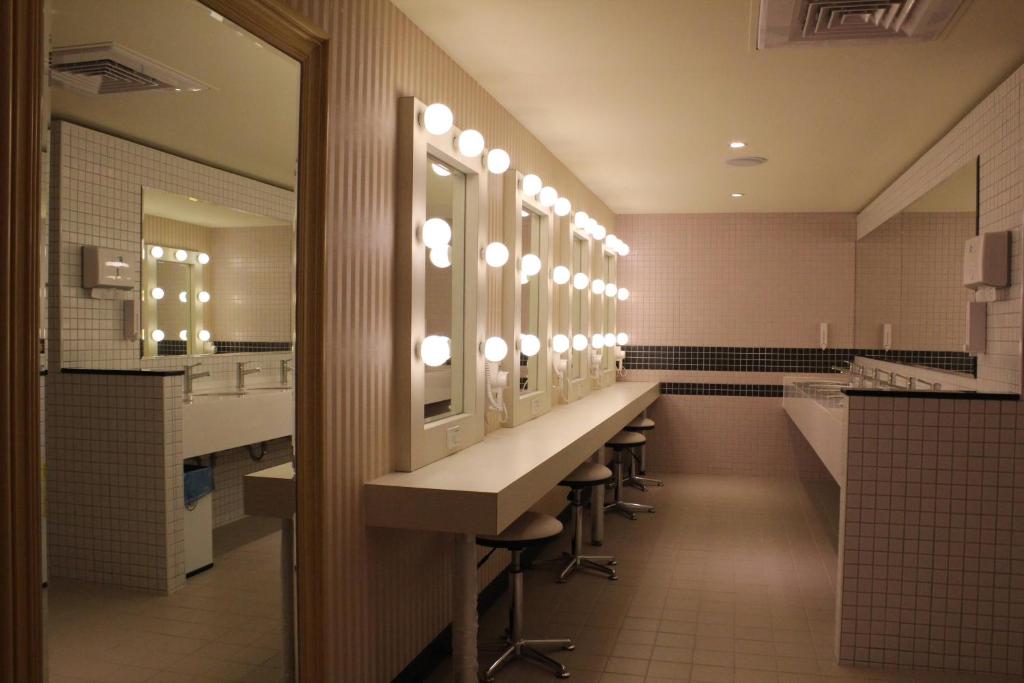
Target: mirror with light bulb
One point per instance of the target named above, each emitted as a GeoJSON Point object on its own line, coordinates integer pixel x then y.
{"type": "Point", "coordinates": [578, 247]}
{"type": "Point", "coordinates": [215, 279]}
{"type": "Point", "coordinates": [607, 304]}
{"type": "Point", "coordinates": [441, 223]}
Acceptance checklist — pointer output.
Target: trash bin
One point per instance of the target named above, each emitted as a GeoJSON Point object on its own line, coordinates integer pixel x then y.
{"type": "Point", "coordinates": [198, 518]}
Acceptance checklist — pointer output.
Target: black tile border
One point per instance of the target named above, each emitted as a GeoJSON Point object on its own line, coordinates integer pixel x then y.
{"type": "Point", "coordinates": [706, 389]}
{"type": "Point", "coordinates": [251, 346]}
{"type": "Point", "coordinates": [957, 395]}
{"type": "Point", "coordinates": [782, 359]}
{"type": "Point", "coordinates": [116, 371]}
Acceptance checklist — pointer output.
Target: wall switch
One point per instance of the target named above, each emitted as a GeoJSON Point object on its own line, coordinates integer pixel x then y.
{"type": "Point", "coordinates": [453, 436]}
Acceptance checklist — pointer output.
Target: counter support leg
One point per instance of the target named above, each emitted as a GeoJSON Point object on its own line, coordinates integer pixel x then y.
{"type": "Point", "coordinates": [597, 514]}
{"type": "Point", "coordinates": [288, 597]}
{"type": "Point", "coordinates": [464, 622]}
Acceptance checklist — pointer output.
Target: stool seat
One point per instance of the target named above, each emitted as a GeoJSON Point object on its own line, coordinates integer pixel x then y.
{"type": "Point", "coordinates": [641, 424]}
{"type": "Point", "coordinates": [626, 440]}
{"type": "Point", "coordinates": [587, 474]}
{"type": "Point", "coordinates": [529, 529]}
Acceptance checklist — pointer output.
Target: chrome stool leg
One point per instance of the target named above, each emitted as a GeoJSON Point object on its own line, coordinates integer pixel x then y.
{"type": "Point", "coordinates": [637, 464]}
{"type": "Point", "coordinates": [577, 560]}
{"type": "Point", "coordinates": [618, 505]}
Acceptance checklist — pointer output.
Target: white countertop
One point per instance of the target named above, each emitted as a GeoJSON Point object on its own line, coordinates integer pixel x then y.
{"type": "Point", "coordinates": [483, 488]}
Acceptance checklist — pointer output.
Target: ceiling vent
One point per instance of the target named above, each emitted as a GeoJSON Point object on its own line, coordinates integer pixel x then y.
{"type": "Point", "coordinates": [830, 22]}
{"type": "Point", "coordinates": [109, 68]}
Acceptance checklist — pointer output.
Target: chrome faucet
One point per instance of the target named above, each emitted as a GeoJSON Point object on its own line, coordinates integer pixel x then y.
{"type": "Point", "coordinates": [285, 369]}
{"type": "Point", "coordinates": [191, 377]}
{"type": "Point", "coordinates": [240, 372]}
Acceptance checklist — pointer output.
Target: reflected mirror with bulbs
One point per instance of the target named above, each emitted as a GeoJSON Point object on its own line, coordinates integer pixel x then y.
{"type": "Point", "coordinates": [579, 250]}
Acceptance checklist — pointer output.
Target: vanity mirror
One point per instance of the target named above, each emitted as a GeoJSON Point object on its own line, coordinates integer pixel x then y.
{"type": "Point", "coordinates": [607, 303]}
{"type": "Point", "coordinates": [577, 299]}
{"type": "Point", "coordinates": [441, 220]}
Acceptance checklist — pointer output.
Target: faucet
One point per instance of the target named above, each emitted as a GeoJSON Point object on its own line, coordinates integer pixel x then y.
{"type": "Point", "coordinates": [191, 377]}
{"type": "Point", "coordinates": [240, 372]}
{"type": "Point", "coordinates": [285, 369]}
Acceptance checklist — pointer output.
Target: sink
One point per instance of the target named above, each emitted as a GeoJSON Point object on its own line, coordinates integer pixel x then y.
{"type": "Point", "coordinates": [220, 419]}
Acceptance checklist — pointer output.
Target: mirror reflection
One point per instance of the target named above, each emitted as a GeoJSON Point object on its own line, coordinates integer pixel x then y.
{"type": "Point", "coordinates": [579, 263]}
{"type": "Point", "coordinates": [172, 310]}
{"type": "Point", "coordinates": [529, 302]}
{"type": "Point", "coordinates": [608, 306]}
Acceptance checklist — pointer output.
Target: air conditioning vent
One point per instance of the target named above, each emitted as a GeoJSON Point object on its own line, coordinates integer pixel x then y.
{"type": "Point", "coordinates": [109, 68]}
{"type": "Point", "coordinates": [817, 22]}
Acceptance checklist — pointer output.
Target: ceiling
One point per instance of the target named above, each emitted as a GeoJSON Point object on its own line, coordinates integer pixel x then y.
{"type": "Point", "coordinates": [191, 210]}
{"type": "Point", "coordinates": [958, 192]}
{"type": "Point", "coordinates": [640, 99]}
{"type": "Point", "coordinates": [247, 122]}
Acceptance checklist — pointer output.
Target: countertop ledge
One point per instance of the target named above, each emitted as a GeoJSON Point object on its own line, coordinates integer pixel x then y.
{"type": "Point", "coordinates": [119, 371]}
{"type": "Point", "coordinates": [955, 395]}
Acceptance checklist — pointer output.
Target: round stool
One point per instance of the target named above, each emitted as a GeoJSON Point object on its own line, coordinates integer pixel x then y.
{"type": "Point", "coordinates": [622, 445]}
{"type": "Point", "coordinates": [585, 476]}
{"type": "Point", "coordinates": [638, 466]}
{"type": "Point", "coordinates": [531, 528]}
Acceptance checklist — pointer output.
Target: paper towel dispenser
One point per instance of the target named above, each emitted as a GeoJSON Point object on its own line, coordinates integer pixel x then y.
{"type": "Point", "coordinates": [987, 260]}
{"type": "Point", "coordinates": [102, 267]}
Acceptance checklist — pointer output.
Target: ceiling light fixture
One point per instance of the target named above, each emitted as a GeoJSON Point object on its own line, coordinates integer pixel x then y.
{"type": "Point", "coordinates": [736, 195]}
{"type": "Point", "coordinates": [737, 144]}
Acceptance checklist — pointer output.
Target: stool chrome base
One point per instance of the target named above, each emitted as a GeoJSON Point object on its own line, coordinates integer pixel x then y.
{"type": "Point", "coordinates": [623, 507]}
{"type": "Point", "coordinates": [525, 650]}
{"type": "Point", "coordinates": [628, 509]}
{"type": "Point", "coordinates": [598, 563]}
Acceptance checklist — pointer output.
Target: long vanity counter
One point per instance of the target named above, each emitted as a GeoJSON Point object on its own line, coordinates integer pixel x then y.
{"type": "Point", "coordinates": [482, 489]}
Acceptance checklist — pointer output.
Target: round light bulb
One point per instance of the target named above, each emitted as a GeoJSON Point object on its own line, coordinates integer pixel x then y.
{"type": "Point", "coordinates": [532, 184]}
{"type": "Point", "coordinates": [560, 343]}
{"type": "Point", "coordinates": [531, 264]}
{"type": "Point", "coordinates": [612, 241]}
{"type": "Point", "coordinates": [204, 335]}
{"type": "Point", "coordinates": [548, 196]}
{"type": "Point", "coordinates": [529, 345]}
{"type": "Point", "coordinates": [157, 293]}
{"type": "Point", "coordinates": [203, 297]}
{"type": "Point", "coordinates": [441, 256]}
{"type": "Point", "coordinates": [496, 254]}
{"type": "Point", "coordinates": [579, 342]}
{"type": "Point", "coordinates": [471, 143]}
{"type": "Point", "coordinates": [560, 275]}
{"type": "Point", "coordinates": [597, 341]}
{"type": "Point", "coordinates": [157, 252]}
{"type": "Point", "coordinates": [440, 170]}
{"type": "Point", "coordinates": [436, 233]}
{"type": "Point", "coordinates": [435, 350]}
{"type": "Point", "coordinates": [737, 144]}
{"type": "Point", "coordinates": [183, 297]}
{"type": "Point", "coordinates": [157, 335]}
{"type": "Point", "coordinates": [203, 258]}
{"type": "Point", "coordinates": [495, 349]}
{"type": "Point", "coordinates": [524, 279]}
{"type": "Point", "coordinates": [183, 335]}
{"type": "Point", "coordinates": [623, 248]}
{"type": "Point", "coordinates": [580, 219]}
{"type": "Point", "coordinates": [622, 338]}
{"type": "Point", "coordinates": [609, 339]}
{"type": "Point", "coordinates": [498, 161]}
{"type": "Point", "coordinates": [598, 232]}
{"type": "Point", "coordinates": [580, 280]}
{"type": "Point", "coordinates": [610, 289]}
{"type": "Point", "coordinates": [562, 206]}
{"type": "Point", "coordinates": [597, 286]}
{"type": "Point", "coordinates": [438, 119]}
{"type": "Point", "coordinates": [623, 294]}
{"type": "Point", "coordinates": [181, 255]}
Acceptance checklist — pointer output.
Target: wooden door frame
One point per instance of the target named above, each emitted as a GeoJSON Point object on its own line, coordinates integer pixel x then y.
{"type": "Point", "coordinates": [22, 47]}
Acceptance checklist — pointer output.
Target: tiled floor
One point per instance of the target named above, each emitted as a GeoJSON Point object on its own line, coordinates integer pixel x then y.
{"type": "Point", "coordinates": [225, 625]}
{"type": "Point", "coordinates": [731, 580]}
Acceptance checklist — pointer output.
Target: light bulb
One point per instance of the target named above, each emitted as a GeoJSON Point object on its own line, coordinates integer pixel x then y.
{"type": "Point", "coordinates": [562, 206]}
{"type": "Point", "coordinates": [623, 294]}
{"type": "Point", "coordinates": [204, 335]}
{"type": "Point", "coordinates": [531, 264]}
{"type": "Point", "coordinates": [531, 184]}
{"type": "Point", "coordinates": [579, 342]}
{"type": "Point", "coordinates": [441, 256]}
{"type": "Point", "coordinates": [471, 143]}
{"type": "Point", "coordinates": [548, 196]}
{"type": "Point", "coordinates": [612, 241]}
{"type": "Point", "coordinates": [524, 279]}
{"type": "Point", "coordinates": [435, 350]}
{"type": "Point", "coordinates": [498, 161]}
{"type": "Point", "coordinates": [495, 349]}
{"type": "Point", "coordinates": [436, 233]}
{"type": "Point", "coordinates": [622, 338]}
{"type": "Point", "coordinates": [580, 219]}
{"type": "Point", "coordinates": [181, 255]}
{"type": "Point", "coordinates": [597, 341]}
{"type": "Point", "coordinates": [529, 345]}
{"type": "Point", "coordinates": [610, 289]}
{"type": "Point", "coordinates": [203, 258]}
{"type": "Point", "coordinates": [203, 297]}
{"type": "Point", "coordinates": [580, 280]}
{"type": "Point", "coordinates": [524, 214]}
{"type": "Point", "coordinates": [183, 297]}
{"type": "Point", "coordinates": [737, 144]}
{"type": "Point", "coordinates": [560, 343]}
{"type": "Point", "coordinates": [623, 248]}
{"type": "Point", "coordinates": [598, 232]}
{"type": "Point", "coordinates": [183, 335]}
{"type": "Point", "coordinates": [440, 170]}
{"type": "Point", "coordinates": [609, 339]}
{"type": "Point", "coordinates": [157, 293]}
{"type": "Point", "coordinates": [597, 286]}
{"type": "Point", "coordinates": [496, 254]}
{"type": "Point", "coordinates": [157, 335]}
{"type": "Point", "coordinates": [157, 252]}
{"type": "Point", "coordinates": [438, 119]}
{"type": "Point", "coordinates": [560, 275]}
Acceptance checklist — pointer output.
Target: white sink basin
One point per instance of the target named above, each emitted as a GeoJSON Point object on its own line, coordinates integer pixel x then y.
{"type": "Point", "coordinates": [217, 420]}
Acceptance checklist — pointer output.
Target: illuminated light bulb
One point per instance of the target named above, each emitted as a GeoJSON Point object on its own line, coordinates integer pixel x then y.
{"type": "Point", "coordinates": [579, 342]}
{"type": "Point", "coordinates": [157, 293]}
{"type": "Point", "coordinates": [440, 170]}
{"type": "Point", "coordinates": [597, 341]}
{"type": "Point", "coordinates": [622, 338]}
{"type": "Point", "coordinates": [560, 343]}
{"type": "Point", "coordinates": [623, 249]}
{"type": "Point", "coordinates": [496, 254]}
{"type": "Point", "coordinates": [498, 161]}
{"type": "Point", "coordinates": [736, 195]}
{"type": "Point", "coordinates": [580, 280]}
{"type": "Point", "coordinates": [598, 232]}
{"type": "Point", "coordinates": [204, 335]}
{"type": "Point", "coordinates": [529, 345]}
{"type": "Point", "coordinates": [203, 258]}
{"type": "Point", "coordinates": [612, 242]}
{"type": "Point", "coordinates": [471, 143]}
{"type": "Point", "coordinates": [157, 252]}
{"type": "Point", "coordinates": [531, 264]}
{"type": "Point", "coordinates": [157, 335]}
{"type": "Point", "coordinates": [597, 286]}
{"type": "Point", "coordinates": [183, 297]}
{"type": "Point", "coordinates": [203, 297]}
{"type": "Point", "coordinates": [561, 275]}
{"type": "Point", "coordinates": [181, 255]}
{"type": "Point", "coordinates": [610, 289]}
{"type": "Point", "coordinates": [623, 294]}
{"type": "Point", "coordinates": [495, 349]}
{"type": "Point", "coordinates": [562, 206]}
{"type": "Point", "coordinates": [532, 184]}
{"type": "Point", "coordinates": [609, 339]}
{"type": "Point", "coordinates": [737, 144]}
{"type": "Point", "coordinates": [435, 350]}
{"type": "Point", "coordinates": [548, 196]}
{"type": "Point", "coordinates": [580, 219]}
{"type": "Point", "coordinates": [524, 279]}
{"type": "Point", "coordinates": [524, 214]}
{"type": "Point", "coordinates": [441, 256]}
{"type": "Point", "coordinates": [183, 335]}
{"type": "Point", "coordinates": [438, 119]}
{"type": "Point", "coordinates": [436, 233]}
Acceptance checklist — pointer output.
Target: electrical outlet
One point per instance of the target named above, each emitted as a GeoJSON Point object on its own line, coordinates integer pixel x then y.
{"type": "Point", "coordinates": [453, 437]}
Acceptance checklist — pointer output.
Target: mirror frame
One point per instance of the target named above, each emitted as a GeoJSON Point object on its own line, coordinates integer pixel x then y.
{"type": "Point", "coordinates": [150, 265]}
{"type": "Point", "coordinates": [523, 407]}
{"type": "Point", "coordinates": [607, 371]}
{"type": "Point", "coordinates": [576, 388]}
{"type": "Point", "coordinates": [418, 443]}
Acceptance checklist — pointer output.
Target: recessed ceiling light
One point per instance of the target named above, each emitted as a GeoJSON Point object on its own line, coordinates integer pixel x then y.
{"type": "Point", "coordinates": [736, 195]}
{"type": "Point", "coordinates": [737, 144]}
